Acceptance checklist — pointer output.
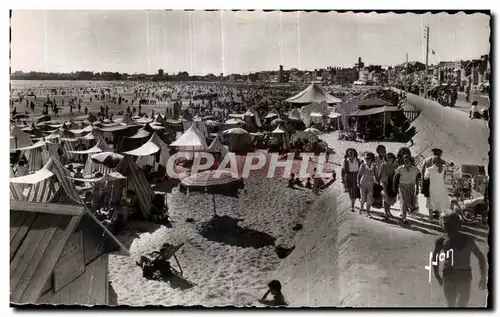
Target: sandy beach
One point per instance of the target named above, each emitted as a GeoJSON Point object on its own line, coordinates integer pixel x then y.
{"type": "Point", "coordinates": [223, 274]}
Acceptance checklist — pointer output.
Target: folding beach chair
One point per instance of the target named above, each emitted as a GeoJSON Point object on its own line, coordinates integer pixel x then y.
{"type": "Point", "coordinates": [158, 260]}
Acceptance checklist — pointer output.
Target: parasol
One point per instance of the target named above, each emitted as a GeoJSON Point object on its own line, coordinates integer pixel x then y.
{"type": "Point", "coordinates": [210, 178]}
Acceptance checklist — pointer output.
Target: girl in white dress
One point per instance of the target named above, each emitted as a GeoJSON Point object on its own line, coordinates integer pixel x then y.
{"type": "Point", "coordinates": [439, 199]}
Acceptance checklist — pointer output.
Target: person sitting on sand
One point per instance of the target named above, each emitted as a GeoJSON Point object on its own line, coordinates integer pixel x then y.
{"type": "Point", "coordinates": [457, 272]}
{"type": "Point", "coordinates": [275, 290]}
{"type": "Point", "coordinates": [308, 183]}
{"type": "Point", "coordinates": [291, 181]}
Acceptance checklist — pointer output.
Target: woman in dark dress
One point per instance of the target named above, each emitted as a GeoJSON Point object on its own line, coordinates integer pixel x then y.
{"type": "Point", "coordinates": [350, 175]}
{"type": "Point", "coordinates": [387, 171]}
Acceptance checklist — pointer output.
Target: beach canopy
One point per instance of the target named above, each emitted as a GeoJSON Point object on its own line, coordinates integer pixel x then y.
{"type": "Point", "coordinates": [334, 115]}
{"type": "Point", "coordinates": [191, 139]}
{"type": "Point", "coordinates": [139, 183]}
{"type": "Point", "coordinates": [88, 128]}
{"type": "Point", "coordinates": [101, 146]}
{"type": "Point", "coordinates": [110, 159]}
{"type": "Point", "coordinates": [278, 130]}
{"type": "Point", "coordinates": [313, 131]}
{"type": "Point", "coordinates": [236, 131]}
{"type": "Point", "coordinates": [234, 121]}
{"type": "Point", "coordinates": [311, 94]}
{"type": "Point", "coordinates": [153, 145]}
{"type": "Point", "coordinates": [34, 178]}
{"type": "Point", "coordinates": [141, 133]}
{"type": "Point", "coordinates": [113, 176]}
{"type": "Point", "coordinates": [210, 178]}
{"type": "Point", "coordinates": [374, 111]}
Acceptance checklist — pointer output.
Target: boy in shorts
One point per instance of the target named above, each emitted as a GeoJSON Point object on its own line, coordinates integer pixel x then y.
{"type": "Point", "coordinates": [457, 273]}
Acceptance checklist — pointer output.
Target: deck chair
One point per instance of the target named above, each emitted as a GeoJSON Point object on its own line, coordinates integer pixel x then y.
{"type": "Point", "coordinates": [158, 260]}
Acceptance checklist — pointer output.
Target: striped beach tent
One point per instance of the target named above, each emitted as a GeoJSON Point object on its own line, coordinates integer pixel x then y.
{"type": "Point", "coordinates": [150, 149]}
{"type": "Point", "coordinates": [40, 186]}
{"type": "Point", "coordinates": [16, 191]}
{"type": "Point", "coordinates": [136, 180]}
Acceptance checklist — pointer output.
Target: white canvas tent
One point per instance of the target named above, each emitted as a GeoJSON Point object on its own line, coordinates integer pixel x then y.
{"type": "Point", "coordinates": [217, 147]}
{"type": "Point", "coordinates": [190, 140]}
{"type": "Point", "coordinates": [311, 94]}
{"type": "Point", "coordinates": [150, 149]}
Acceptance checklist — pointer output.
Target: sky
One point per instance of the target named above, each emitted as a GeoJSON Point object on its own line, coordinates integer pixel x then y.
{"type": "Point", "coordinates": [202, 42]}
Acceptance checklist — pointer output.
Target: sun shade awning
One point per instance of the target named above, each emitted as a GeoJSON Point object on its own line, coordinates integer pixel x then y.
{"type": "Point", "coordinates": [33, 178]}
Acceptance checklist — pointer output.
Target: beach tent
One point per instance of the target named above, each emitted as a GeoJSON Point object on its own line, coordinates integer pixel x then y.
{"type": "Point", "coordinates": [44, 185]}
{"type": "Point", "coordinates": [136, 180]}
{"type": "Point", "coordinates": [273, 114]}
{"type": "Point", "coordinates": [88, 128]}
{"type": "Point", "coordinates": [190, 140]}
{"type": "Point", "coordinates": [147, 152]}
{"type": "Point", "coordinates": [16, 191]}
{"type": "Point", "coordinates": [19, 138]}
{"type": "Point", "coordinates": [238, 139]}
{"type": "Point", "coordinates": [217, 147]}
{"type": "Point", "coordinates": [96, 163]}
{"type": "Point", "coordinates": [294, 115]}
{"type": "Point", "coordinates": [311, 94]}
{"type": "Point", "coordinates": [317, 110]}
{"type": "Point", "coordinates": [37, 154]}
{"type": "Point", "coordinates": [201, 127]}
{"type": "Point", "coordinates": [282, 136]}
{"type": "Point", "coordinates": [101, 146]}
{"type": "Point", "coordinates": [314, 131]}
{"type": "Point", "coordinates": [141, 133]}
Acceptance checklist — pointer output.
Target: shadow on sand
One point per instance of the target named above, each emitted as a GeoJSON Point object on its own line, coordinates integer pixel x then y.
{"type": "Point", "coordinates": [224, 229]}
{"type": "Point", "coordinates": [134, 229]}
{"type": "Point", "coordinates": [425, 225]}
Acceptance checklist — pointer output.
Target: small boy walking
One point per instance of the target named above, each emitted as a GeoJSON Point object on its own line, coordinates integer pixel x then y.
{"type": "Point", "coordinates": [457, 272]}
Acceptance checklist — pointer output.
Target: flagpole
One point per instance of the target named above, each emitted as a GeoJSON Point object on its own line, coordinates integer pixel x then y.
{"type": "Point", "coordinates": [427, 35]}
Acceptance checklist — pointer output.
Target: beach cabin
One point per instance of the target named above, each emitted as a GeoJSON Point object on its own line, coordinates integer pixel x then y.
{"type": "Point", "coordinates": [59, 255]}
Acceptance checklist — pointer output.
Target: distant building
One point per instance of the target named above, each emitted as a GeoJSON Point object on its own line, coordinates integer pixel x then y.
{"type": "Point", "coordinates": [160, 72]}
{"type": "Point", "coordinates": [280, 75]}
{"type": "Point", "coordinates": [359, 65]}
{"type": "Point", "coordinates": [343, 76]}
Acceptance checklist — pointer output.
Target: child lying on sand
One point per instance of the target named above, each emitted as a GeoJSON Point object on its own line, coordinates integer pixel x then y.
{"type": "Point", "coordinates": [275, 290]}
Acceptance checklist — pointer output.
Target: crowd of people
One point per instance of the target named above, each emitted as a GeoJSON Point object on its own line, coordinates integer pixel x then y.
{"type": "Point", "coordinates": [380, 179]}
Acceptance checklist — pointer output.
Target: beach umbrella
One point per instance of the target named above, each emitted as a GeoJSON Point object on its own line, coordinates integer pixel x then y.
{"type": "Point", "coordinates": [108, 159]}
{"type": "Point", "coordinates": [210, 179]}
{"type": "Point", "coordinates": [314, 131]}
